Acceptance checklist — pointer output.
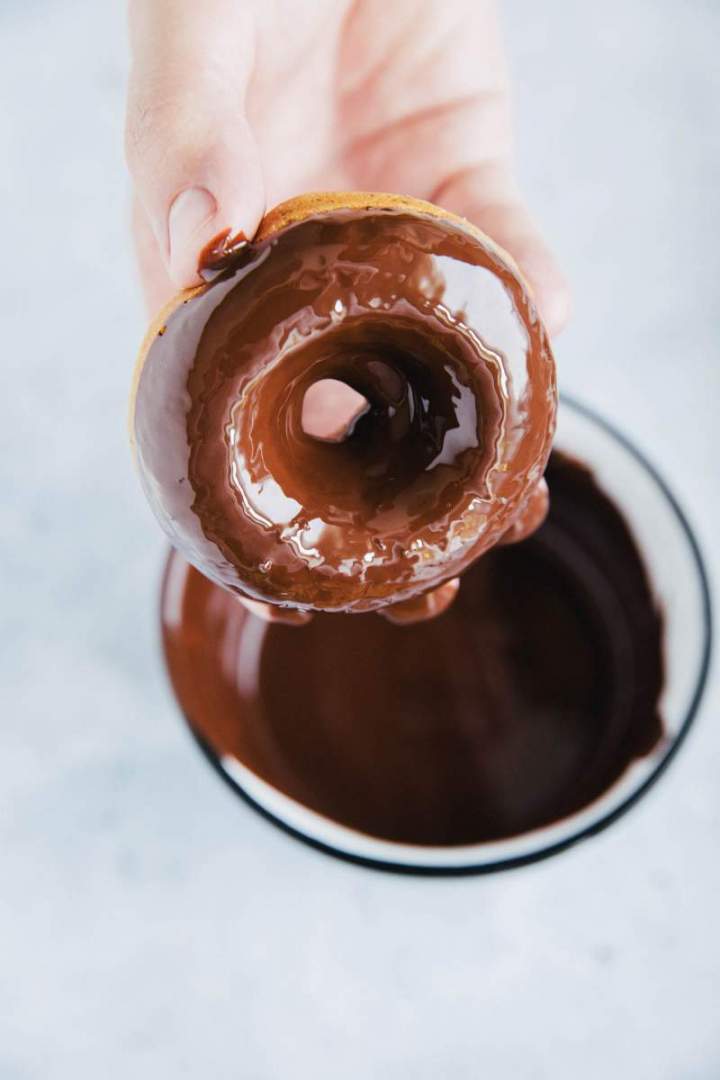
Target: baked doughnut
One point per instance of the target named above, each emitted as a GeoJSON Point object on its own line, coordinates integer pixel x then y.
{"type": "Point", "coordinates": [425, 332]}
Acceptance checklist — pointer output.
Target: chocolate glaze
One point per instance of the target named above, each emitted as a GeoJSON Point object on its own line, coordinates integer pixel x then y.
{"type": "Point", "coordinates": [419, 316]}
{"type": "Point", "coordinates": [530, 516]}
{"type": "Point", "coordinates": [520, 705]}
{"type": "Point", "coordinates": [220, 253]}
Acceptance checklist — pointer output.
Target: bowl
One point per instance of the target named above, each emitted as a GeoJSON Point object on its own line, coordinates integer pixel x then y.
{"type": "Point", "coordinates": [678, 579]}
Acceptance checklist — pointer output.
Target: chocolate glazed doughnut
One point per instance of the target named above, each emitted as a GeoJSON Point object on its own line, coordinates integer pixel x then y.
{"type": "Point", "coordinates": [428, 327]}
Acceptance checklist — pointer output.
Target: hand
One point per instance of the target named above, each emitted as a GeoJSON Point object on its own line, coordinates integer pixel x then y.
{"type": "Point", "coordinates": [235, 105]}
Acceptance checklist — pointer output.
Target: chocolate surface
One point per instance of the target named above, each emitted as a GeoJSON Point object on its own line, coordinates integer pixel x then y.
{"type": "Point", "coordinates": [521, 704]}
{"type": "Point", "coordinates": [430, 326]}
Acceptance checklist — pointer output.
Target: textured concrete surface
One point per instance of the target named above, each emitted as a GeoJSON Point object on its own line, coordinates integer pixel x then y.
{"type": "Point", "coordinates": [150, 925]}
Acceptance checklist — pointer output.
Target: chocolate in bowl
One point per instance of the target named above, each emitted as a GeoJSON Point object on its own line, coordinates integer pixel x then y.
{"type": "Point", "coordinates": [532, 714]}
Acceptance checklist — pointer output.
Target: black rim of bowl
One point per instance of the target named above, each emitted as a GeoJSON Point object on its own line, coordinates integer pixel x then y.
{"type": "Point", "coordinates": [606, 819]}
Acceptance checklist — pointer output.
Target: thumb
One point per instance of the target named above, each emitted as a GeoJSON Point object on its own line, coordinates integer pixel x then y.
{"type": "Point", "coordinates": [488, 196]}
{"type": "Point", "coordinates": [190, 149]}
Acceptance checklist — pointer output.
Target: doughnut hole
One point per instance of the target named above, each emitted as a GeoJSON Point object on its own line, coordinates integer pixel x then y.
{"type": "Point", "coordinates": [377, 431]}
{"type": "Point", "coordinates": [330, 410]}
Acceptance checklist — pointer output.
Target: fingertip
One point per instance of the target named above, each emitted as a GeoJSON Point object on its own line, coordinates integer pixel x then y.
{"type": "Point", "coordinates": [556, 309]}
{"type": "Point", "coordinates": [549, 287]}
{"type": "Point", "coordinates": [197, 225]}
{"type": "Point", "coordinates": [195, 186]}
{"type": "Point", "coordinates": [190, 215]}
{"type": "Point", "coordinates": [508, 222]}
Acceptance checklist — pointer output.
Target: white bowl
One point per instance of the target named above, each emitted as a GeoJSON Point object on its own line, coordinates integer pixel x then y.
{"type": "Point", "coordinates": [677, 575]}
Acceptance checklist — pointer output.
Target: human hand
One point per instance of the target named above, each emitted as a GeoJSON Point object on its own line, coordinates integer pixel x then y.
{"type": "Point", "coordinates": [235, 105]}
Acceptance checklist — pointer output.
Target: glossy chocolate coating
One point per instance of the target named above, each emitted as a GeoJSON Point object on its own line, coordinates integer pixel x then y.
{"type": "Point", "coordinates": [419, 316]}
{"type": "Point", "coordinates": [521, 704]}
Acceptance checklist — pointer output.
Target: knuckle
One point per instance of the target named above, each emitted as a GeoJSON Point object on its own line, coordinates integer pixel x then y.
{"type": "Point", "coordinates": [159, 124]}
{"type": "Point", "coordinates": [148, 118]}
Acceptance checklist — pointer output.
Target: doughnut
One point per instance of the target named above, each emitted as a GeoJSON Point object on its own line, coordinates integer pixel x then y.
{"type": "Point", "coordinates": [353, 407]}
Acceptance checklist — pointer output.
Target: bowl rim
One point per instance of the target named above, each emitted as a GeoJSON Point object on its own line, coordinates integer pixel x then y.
{"type": "Point", "coordinates": [583, 832]}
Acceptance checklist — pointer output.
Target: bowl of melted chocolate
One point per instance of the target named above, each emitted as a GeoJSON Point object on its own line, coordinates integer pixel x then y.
{"type": "Point", "coordinates": [564, 663]}
{"type": "Point", "coordinates": [541, 705]}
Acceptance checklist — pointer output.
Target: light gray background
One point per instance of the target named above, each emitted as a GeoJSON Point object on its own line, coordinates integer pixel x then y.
{"type": "Point", "coordinates": [150, 925]}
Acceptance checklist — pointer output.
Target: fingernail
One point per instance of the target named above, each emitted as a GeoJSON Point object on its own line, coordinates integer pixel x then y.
{"type": "Point", "coordinates": [190, 211]}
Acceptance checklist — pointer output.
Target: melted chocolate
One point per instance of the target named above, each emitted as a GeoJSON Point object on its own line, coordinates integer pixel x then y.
{"type": "Point", "coordinates": [419, 317]}
{"type": "Point", "coordinates": [520, 705]}
{"type": "Point", "coordinates": [221, 253]}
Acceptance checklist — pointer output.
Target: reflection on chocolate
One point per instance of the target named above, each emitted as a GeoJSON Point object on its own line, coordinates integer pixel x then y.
{"type": "Point", "coordinates": [426, 323]}
{"type": "Point", "coordinates": [220, 253]}
{"type": "Point", "coordinates": [518, 706]}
